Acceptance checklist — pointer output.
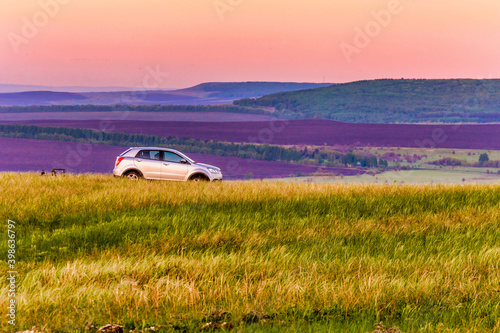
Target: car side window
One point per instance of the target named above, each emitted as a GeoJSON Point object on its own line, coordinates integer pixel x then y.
{"type": "Point", "coordinates": [171, 157]}
{"type": "Point", "coordinates": [149, 154]}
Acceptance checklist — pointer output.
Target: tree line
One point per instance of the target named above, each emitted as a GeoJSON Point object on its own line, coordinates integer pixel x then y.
{"type": "Point", "coordinates": [211, 147]}
{"type": "Point", "coordinates": [189, 145]}
{"type": "Point", "coordinates": [129, 107]}
{"type": "Point", "coordinates": [483, 162]}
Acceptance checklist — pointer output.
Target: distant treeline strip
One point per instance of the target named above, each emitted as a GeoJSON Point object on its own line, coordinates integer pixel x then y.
{"type": "Point", "coordinates": [243, 150]}
{"type": "Point", "coordinates": [136, 108]}
{"type": "Point", "coordinates": [188, 145]}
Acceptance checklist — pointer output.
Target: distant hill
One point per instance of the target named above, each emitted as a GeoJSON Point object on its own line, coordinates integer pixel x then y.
{"type": "Point", "coordinates": [14, 88]}
{"type": "Point", "coordinates": [232, 90]}
{"type": "Point", "coordinates": [390, 101]}
{"type": "Point", "coordinates": [40, 98]}
{"type": "Point", "coordinates": [202, 94]}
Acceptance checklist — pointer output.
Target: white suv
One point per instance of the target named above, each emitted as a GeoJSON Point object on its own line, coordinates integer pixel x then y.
{"type": "Point", "coordinates": [162, 163]}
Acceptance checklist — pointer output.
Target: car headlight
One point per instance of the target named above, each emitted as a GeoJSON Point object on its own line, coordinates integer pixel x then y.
{"type": "Point", "coordinates": [212, 170]}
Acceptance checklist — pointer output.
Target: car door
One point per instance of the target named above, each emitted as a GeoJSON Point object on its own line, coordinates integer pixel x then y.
{"type": "Point", "coordinates": [172, 167]}
{"type": "Point", "coordinates": [149, 163]}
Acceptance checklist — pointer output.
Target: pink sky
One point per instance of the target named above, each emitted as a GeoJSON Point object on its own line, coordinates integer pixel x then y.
{"type": "Point", "coordinates": [119, 42]}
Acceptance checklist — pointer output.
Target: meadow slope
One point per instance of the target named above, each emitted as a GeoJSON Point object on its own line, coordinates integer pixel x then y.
{"type": "Point", "coordinates": [261, 256]}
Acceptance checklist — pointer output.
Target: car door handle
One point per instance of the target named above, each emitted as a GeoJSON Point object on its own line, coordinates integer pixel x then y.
{"type": "Point", "coordinates": [165, 163]}
{"type": "Point", "coordinates": [138, 160]}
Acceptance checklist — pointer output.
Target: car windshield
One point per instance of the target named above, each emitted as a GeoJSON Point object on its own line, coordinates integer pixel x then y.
{"type": "Point", "coordinates": [189, 159]}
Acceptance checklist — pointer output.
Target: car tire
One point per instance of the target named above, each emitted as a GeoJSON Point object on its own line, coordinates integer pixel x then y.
{"type": "Point", "coordinates": [199, 178]}
{"type": "Point", "coordinates": [133, 175]}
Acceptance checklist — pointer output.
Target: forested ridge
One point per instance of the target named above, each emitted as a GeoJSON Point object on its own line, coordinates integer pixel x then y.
{"type": "Point", "coordinates": [136, 108]}
{"type": "Point", "coordinates": [390, 101]}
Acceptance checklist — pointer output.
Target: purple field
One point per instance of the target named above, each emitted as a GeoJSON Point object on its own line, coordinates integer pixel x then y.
{"type": "Point", "coordinates": [311, 132]}
{"type": "Point", "coordinates": [38, 155]}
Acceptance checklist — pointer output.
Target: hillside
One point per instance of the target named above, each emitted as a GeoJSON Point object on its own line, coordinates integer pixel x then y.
{"type": "Point", "coordinates": [388, 101]}
{"type": "Point", "coordinates": [202, 94]}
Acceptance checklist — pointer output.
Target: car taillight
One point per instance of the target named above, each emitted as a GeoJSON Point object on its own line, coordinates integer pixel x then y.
{"type": "Point", "coordinates": [118, 160]}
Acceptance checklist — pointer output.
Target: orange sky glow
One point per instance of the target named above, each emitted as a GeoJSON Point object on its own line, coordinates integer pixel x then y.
{"type": "Point", "coordinates": [118, 42]}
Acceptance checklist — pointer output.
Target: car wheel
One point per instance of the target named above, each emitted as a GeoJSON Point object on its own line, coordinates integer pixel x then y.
{"type": "Point", "coordinates": [199, 178]}
{"type": "Point", "coordinates": [133, 175]}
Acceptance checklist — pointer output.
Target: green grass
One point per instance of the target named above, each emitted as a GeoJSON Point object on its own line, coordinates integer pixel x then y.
{"type": "Point", "coordinates": [433, 154]}
{"type": "Point", "coordinates": [445, 176]}
{"type": "Point", "coordinates": [275, 256]}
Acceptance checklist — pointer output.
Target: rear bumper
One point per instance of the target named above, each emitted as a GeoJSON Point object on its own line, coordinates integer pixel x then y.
{"type": "Point", "coordinates": [117, 172]}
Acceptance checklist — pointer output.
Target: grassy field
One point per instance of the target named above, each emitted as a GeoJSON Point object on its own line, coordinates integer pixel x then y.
{"type": "Point", "coordinates": [262, 256]}
{"type": "Point", "coordinates": [444, 176]}
{"type": "Point", "coordinates": [421, 171]}
{"type": "Point", "coordinates": [433, 154]}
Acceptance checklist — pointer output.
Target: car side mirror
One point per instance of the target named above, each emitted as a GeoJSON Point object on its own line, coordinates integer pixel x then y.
{"type": "Point", "coordinates": [183, 161]}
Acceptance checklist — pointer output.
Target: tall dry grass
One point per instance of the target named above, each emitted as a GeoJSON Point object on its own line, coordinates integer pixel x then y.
{"type": "Point", "coordinates": [297, 256]}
